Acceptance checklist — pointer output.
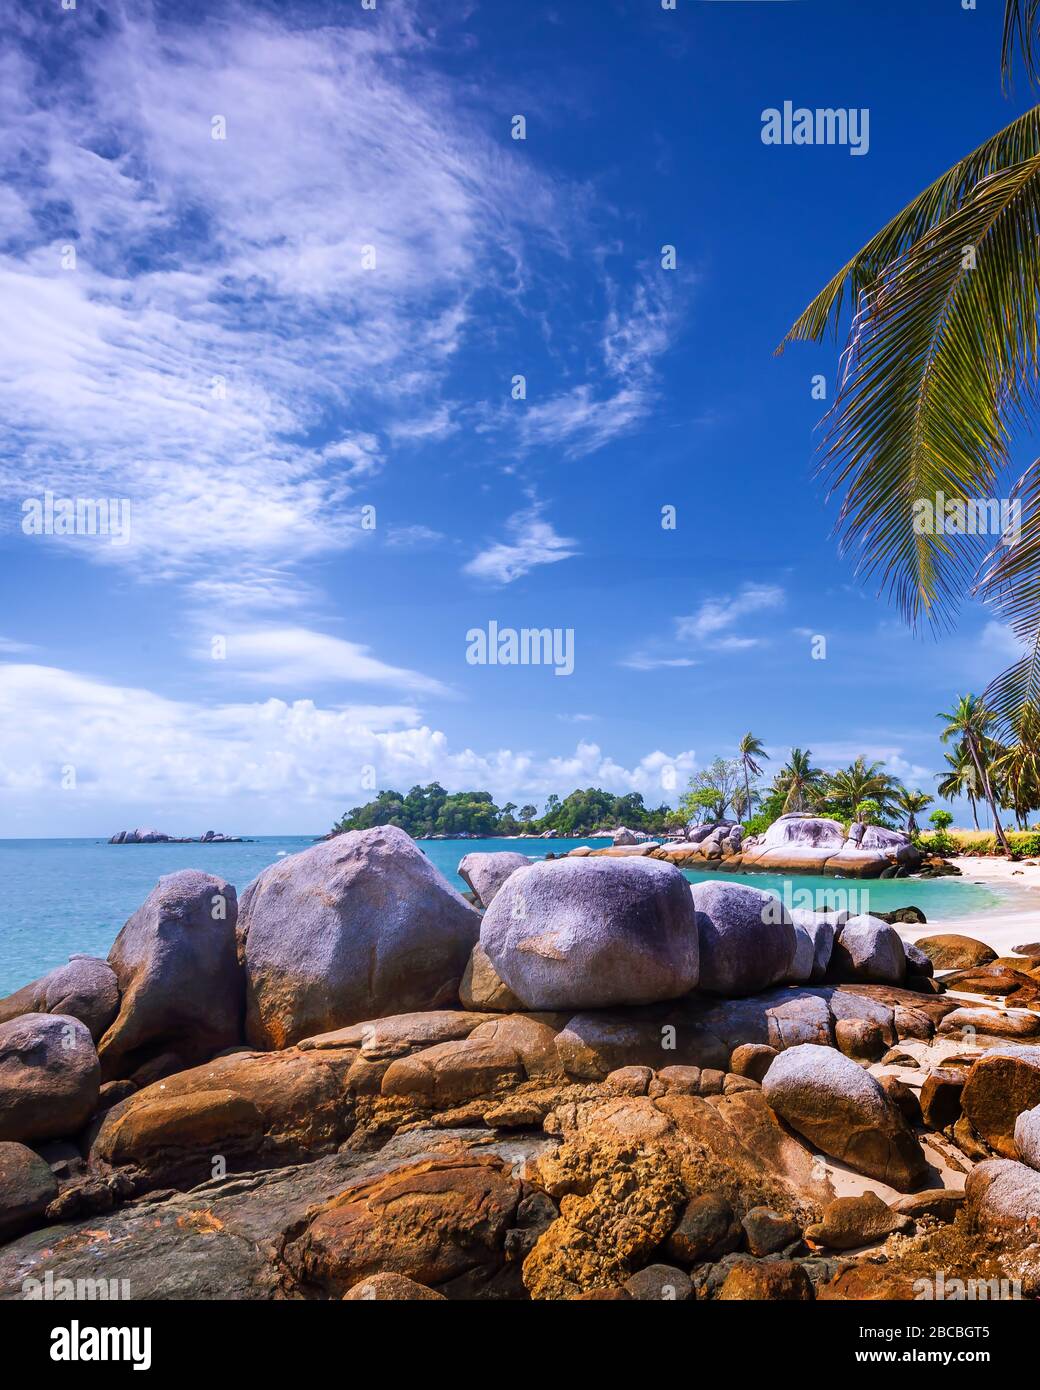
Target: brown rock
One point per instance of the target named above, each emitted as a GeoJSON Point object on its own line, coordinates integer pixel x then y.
{"type": "Point", "coordinates": [844, 1111]}
{"type": "Point", "coordinates": [594, 1044]}
{"type": "Point", "coordinates": [629, 1081]}
{"type": "Point", "coordinates": [951, 952]}
{"type": "Point", "coordinates": [680, 1081]}
{"type": "Point", "coordinates": [430, 1221]}
{"type": "Point", "coordinates": [1002, 1201]}
{"type": "Point", "coordinates": [245, 1107]}
{"type": "Point", "coordinates": [941, 1097]}
{"type": "Point", "coordinates": [867, 1282]}
{"type": "Point", "coordinates": [770, 1280]}
{"type": "Point", "coordinates": [660, 1284]}
{"type": "Point", "coordinates": [904, 1098]}
{"type": "Point", "coordinates": [850, 1222]}
{"type": "Point", "coordinates": [942, 1203]}
{"type": "Point", "coordinates": [752, 1059]}
{"type": "Point", "coordinates": [27, 1185]}
{"type": "Point", "coordinates": [707, 1230]}
{"type": "Point", "coordinates": [454, 1072]}
{"type": "Point", "coordinates": [380, 1288]}
{"type": "Point", "coordinates": [1002, 1083]}
{"type": "Point", "coordinates": [968, 1141]}
{"type": "Point", "coordinates": [992, 1023]}
{"type": "Point", "coordinates": [859, 1039]}
{"type": "Point", "coordinates": [734, 1083]}
{"type": "Point", "coordinates": [1014, 987]}
{"type": "Point", "coordinates": [622, 1201]}
{"type": "Point", "coordinates": [49, 1077]}
{"type": "Point", "coordinates": [483, 988]}
{"type": "Point", "coordinates": [768, 1231]}
{"type": "Point", "coordinates": [532, 1037]}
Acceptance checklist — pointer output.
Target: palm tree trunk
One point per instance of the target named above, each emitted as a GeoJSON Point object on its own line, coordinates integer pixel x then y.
{"type": "Point", "coordinates": [747, 793]}
{"type": "Point", "coordinates": [981, 771]}
{"type": "Point", "coordinates": [974, 812]}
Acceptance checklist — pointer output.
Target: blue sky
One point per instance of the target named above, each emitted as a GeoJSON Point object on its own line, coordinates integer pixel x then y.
{"type": "Point", "coordinates": [223, 355]}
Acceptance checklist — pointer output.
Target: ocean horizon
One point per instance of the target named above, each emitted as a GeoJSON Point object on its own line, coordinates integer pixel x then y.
{"type": "Point", "coordinates": [67, 896]}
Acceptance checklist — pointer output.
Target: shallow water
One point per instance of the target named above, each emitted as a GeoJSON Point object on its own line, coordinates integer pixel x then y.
{"type": "Point", "coordinates": [62, 896]}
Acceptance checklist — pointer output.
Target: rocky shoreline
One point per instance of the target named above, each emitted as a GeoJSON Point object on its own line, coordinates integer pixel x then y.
{"type": "Point", "coordinates": [794, 844]}
{"type": "Point", "coordinates": [589, 1082]}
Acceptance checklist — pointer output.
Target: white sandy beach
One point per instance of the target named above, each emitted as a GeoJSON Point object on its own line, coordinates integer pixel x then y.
{"type": "Point", "coordinates": [1014, 923]}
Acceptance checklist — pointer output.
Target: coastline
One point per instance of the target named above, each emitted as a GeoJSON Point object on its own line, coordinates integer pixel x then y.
{"type": "Point", "coordinates": [1014, 923]}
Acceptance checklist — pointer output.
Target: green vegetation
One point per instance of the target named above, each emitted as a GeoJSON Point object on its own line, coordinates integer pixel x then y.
{"type": "Point", "coordinates": [981, 767]}
{"type": "Point", "coordinates": [431, 810]}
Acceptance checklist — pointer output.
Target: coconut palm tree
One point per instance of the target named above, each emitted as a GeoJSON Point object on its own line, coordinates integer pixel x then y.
{"type": "Point", "coordinates": [961, 780]}
{"type": "Point", "coordinates": [862, 781]}
{"type": "Point", "coordinates": [1016, 770]}
{"type": "Point", "coordinates": [748, 749]}
{"type": "Point", "coordinates": [942, 360]}
{"type": "Point", "coordinates": [910, 803]}
{"type": "Point", "coordinates": [799, 782]}
{"type": "Point", "coordinates": [970, 721]}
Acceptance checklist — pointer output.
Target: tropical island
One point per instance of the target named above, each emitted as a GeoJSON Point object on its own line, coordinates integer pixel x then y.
{"type": "Point", "coordinates": [1004, 776]}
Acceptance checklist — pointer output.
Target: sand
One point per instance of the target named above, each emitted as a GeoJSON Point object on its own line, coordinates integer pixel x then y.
{"type": "Point", "coordinates": [1015, 923]}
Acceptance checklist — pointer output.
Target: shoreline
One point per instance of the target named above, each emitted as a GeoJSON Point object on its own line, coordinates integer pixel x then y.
{"type": "Point", "coordinates": [1015, 922]}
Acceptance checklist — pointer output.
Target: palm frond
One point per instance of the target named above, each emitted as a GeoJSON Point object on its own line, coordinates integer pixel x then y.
{"type": "Point", "coordinates": [1011, 584]}
{"type": "Point", "coordinates": [942, 361]}
{"type": "Point", "coordinates": [1017, 142]}
{"type": "Point", "coordinates": [1021, 40]}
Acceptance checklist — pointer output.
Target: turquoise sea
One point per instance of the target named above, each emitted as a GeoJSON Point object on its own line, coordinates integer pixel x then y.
{"type": "Point", "coordinates": [62, 896]}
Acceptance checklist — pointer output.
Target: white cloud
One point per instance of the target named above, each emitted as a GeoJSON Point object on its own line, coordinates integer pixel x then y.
{"type": "Point", "coordinates": [206, 388]}
{"type": "Point", "coordinates": [639, 661]}
{"type": "Point", "coordinates": [298, 657]}
{"type": "Point", "coordinates": [412, 537]}
{"type": "Point", "coordinates": [532, 542]}
{"type": "Point", "coordinates": [706, 628]}
{"type": "Point", "coordinates": [268, 765]}
{"type": "Point", "coordinates": [715, 615]}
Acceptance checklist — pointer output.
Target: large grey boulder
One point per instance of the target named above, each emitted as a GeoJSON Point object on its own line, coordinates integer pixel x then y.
{"type": "Point", "coordinates": [593, 933]}
{"type": "Point", "coordinates": [86, 989]}
{"type": "Point", "coordinates": [840, 1108]}
{"type": "Point", "coordinates": [1002, 1200]}
{"type": "Point", "coordinates": [800, 972]}
{"type": "Point", "coordinates": [623, 836]}
{"type": "Point", "coordinates": [802, 843]}
{"type": "Point", "coordinates": [486, 873]}
{"type": "Point", "coordinates": [822, 928]}
{"type": "Point", "coordinates": [355, 928]}
{"type": "Point", "coordinates": [181, 984]}
{"type": "Point", "coordinates": [49, 1077]}
{"type": "Point", "coordinates": [868, 951]}
{"type": "Point", "coordinates": [747, 938]}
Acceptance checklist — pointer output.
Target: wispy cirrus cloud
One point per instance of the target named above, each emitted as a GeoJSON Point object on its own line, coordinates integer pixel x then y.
{"type": "Point", "coordinates": [637, 331]}
{"type": "Point", "coordinates": [300, 658]}
{"type": "Point", "coordinates": [532, 541]}
{"type": "Point", "coordinates": [186, 320]}
{"type": "Point", "coordinates": [711, 622]}
{"type": "Point", "coordinates": [708, 629]}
